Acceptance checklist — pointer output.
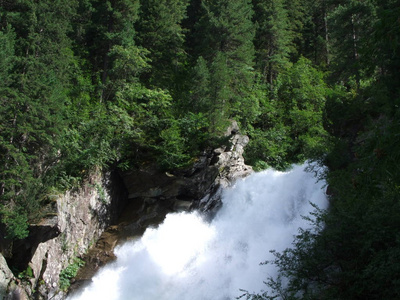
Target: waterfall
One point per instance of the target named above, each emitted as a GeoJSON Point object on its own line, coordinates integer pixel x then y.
{"type": "Point", "coordinates": [186, 258]}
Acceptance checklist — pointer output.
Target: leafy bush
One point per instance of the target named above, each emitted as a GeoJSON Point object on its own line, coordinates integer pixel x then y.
{"type": "Point", "coordinates": [69, 272]}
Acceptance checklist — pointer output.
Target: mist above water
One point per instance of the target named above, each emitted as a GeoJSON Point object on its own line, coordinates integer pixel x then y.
{"type": "Point", "coordinates": [186, 258]}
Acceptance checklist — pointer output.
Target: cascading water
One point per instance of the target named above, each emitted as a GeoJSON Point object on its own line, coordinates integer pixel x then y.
{"type": "Point", "coordinates": [186, 258]}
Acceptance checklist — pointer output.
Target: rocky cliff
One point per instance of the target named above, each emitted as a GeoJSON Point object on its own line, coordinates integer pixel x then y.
{"type": "Point", "coordinates": [195, 187]}
{"type": "Point", "coordinates": [83, 217]}
{"type": "Point", "coordinates": [153, 193]}
{"type": "Point", "coordinates": [77, 220]}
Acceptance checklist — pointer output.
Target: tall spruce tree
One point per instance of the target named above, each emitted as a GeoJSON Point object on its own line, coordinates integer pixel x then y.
{"type": "Point", "coordinates": [350, 23]}
{"type": "Point", "coordinates": [315, 41]}
{"type": "Point", "coordinates": [201, 82]}
{"type": "Point", "coordinates": [385, 49]}
{"type": "Point", "coordinates": [111, 24]}
{"type": "Point", "coordinates": [226, 32]}
{"type": "Point", "coordinates": [274, 38]}
{"type": "Point", "coordinates": [297, 14]}
{"type": "Point", "coordinates": [160, 31]}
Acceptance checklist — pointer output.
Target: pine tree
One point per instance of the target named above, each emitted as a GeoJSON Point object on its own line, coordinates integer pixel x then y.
{"type": "Point", "coordinates": [195, 13]}
{"type": "Point", "coordinates": [383, 48]}
{"type": "Point", "coordinates": [297, 14]}
{"type": "Point", "coordinates": [274, 38]}
{"type": "Point", "coordinates": [160, 31]}
{"type": "Point", "coordinates": [220, 93]}
{"type": "Point", "coordinates": [201, 83]}
{"type": "Point", "coordinates": [350, 23]}
{"type": "Point", "coordinates": [111, 24]}
{"type": "Point", "coordinates": [14, 169]}
{"type": "Point", "coordinates": [226, 32]}
{"type": "Point", "coordinates": [315, 42]}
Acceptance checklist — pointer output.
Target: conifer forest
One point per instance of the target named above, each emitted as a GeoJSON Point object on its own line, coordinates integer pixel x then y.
{"type": "Point", "coordinates": [88, 84]}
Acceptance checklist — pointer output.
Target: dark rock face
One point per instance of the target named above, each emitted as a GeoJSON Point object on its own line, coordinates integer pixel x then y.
{"type": "Point", "coordinates": [23, 250]}
{"type": "Point", "coordinates": [200, 184]}
{"type": "Point", "coordinates": [230, 163]}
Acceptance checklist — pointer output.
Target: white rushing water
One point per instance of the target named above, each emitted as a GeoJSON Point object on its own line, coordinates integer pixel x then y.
{"type": "Point", "coordinates": [186, 258]}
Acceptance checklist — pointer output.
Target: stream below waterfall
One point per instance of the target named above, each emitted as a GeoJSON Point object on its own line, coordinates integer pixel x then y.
{"type": "Point", "coordinates": [187, 258]}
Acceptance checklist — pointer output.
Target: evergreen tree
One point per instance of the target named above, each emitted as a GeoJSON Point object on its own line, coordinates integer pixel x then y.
{"type": "Point", "coordinates": [226, 32]}
{"type": "Point", "coordinates": [14, 169]}
{"type": "Point", "coordinates": [350, 24]}
{"type": "Point", "coordinates": [195, 13]}
{"type": "Point", "coordinates": [297, 15]}
{"type": "Point", "coordinates": [383, 49]}
{"type": "Point", "coordinates": [201, 83]}
{"type": "Point", "coordinates": [351, 253]}
{"type": "Point", "coordinates": [35, 99]}
{"type": "Point", "coordinates": [220, 93]}
{"type": "Point", "coordinates": [274, 38]}
{"type": "Point", "coordinates": [111, 24]}
{"type": "Point", "coordinates": [315, 42]}
{"type": "Point", "coordinates": [160, 31]}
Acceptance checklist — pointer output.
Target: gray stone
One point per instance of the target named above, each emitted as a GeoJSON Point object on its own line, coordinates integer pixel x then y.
{"type": "Point", "coordinates": [80, 217]}
{"type": "Point", "coordinates": [17, 293]}
{"type": "Point", "coordinates": [6, 276]}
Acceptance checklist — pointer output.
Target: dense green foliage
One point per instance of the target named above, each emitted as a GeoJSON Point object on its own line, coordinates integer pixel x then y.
{"type": "Point", "coordinates": [70, 272]}
{"type": "Point", "coordinates": [92, 83]}
{"type": "Point", "coordinates": [353, 250]}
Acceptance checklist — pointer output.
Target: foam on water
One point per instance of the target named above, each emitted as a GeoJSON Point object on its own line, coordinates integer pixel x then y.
{"type": "Point", "coordinates": [186, 258]}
